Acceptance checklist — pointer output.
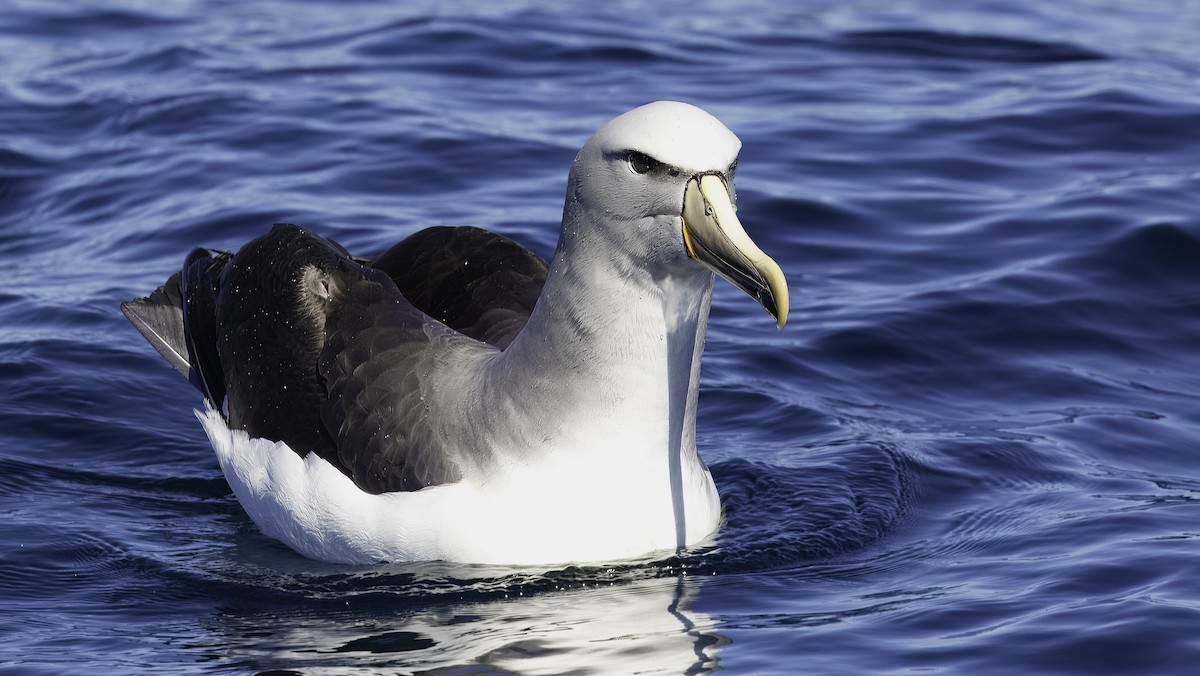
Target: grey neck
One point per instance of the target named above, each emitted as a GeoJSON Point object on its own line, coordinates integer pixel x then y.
{"type": "Point", "coordinates": [611, 349]}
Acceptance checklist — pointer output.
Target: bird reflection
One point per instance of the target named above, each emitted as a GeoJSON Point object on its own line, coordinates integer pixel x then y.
{"type": "Point", "coordinates": [642, 626]}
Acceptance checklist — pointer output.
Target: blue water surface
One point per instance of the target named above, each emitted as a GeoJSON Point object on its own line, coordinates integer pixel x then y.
{"type": "Point", "coordinates": [975, 448]}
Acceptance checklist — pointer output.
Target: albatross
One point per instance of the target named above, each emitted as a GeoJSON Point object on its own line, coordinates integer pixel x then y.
{"type": "Point", "coordinates": [458, 398]}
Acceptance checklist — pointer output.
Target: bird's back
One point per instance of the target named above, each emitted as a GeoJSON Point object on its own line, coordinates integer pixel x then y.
{"type": "Point", "coordinates": [251, 328]}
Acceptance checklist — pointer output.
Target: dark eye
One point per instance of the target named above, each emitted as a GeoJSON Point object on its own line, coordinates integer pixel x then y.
{"type": "Point", "coordinates": [641, 163]}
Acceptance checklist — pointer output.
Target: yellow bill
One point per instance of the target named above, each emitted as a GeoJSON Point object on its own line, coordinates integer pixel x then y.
{"type": "Point", "coordinates": [714, 236]}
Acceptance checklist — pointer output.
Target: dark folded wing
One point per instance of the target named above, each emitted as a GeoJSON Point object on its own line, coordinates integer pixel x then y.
{"type": "Point", "coordinates": [479, 283]}
{"type": "Point", "coordinates": [333, 357]}
{"type": "Point", "coordinates": [380, 352]}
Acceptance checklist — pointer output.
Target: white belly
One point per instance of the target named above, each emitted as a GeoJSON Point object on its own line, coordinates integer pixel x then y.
{"type": "Point", "coordinates": [550, 513]}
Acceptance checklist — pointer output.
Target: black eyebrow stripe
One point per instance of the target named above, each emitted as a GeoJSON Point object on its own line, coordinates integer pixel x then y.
{"type": "Point", "coordinates": [644, 158]}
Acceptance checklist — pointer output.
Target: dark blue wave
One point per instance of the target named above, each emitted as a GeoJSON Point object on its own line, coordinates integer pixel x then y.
{"type": "Point", "coordinates": [958, 47]}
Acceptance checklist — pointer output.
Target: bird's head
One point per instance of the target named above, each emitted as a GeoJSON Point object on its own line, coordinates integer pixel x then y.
{"type": "Point", "coordinates": [658, 183]}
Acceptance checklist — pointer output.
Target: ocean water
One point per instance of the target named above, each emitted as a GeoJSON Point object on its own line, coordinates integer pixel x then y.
{"type": "Point", "coordinates": [974, 449]}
